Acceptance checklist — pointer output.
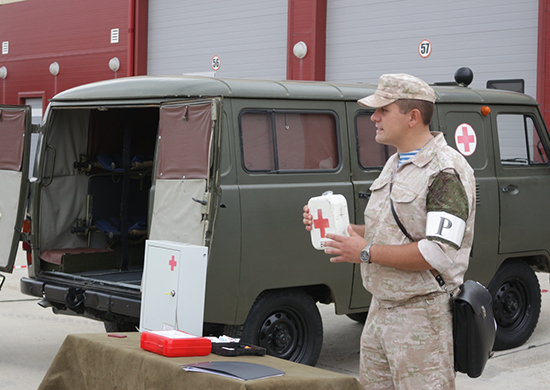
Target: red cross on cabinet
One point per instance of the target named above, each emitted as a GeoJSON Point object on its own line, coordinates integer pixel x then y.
{"type": "Point", "coordinates": [172, 263]}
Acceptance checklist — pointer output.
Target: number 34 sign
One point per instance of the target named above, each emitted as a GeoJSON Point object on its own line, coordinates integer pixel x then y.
{"type": "Point", "coordinates": [425, 48]}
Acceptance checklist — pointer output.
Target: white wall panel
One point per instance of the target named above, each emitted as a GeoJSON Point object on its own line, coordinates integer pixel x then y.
{"type": "Point", "coordinates": [249, 37]}
{"type": "Point", "coordinates": [497, 39]}
{"type": "Point", "coordinates": [365, 38]}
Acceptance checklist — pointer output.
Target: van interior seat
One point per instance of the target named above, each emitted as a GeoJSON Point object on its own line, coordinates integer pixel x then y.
{"type": "Point", "coordinates": [137, 225]}
{"type": "Point", "coordinates": [104, 204]}
{"type": "Point", "coordinates": [105, 192]}
{"type": "Point", "coordinates": [113, 162]}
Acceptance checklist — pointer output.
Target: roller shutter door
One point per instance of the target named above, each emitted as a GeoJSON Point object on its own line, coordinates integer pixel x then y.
{"type": "Point", "coordinates": [248, 36]}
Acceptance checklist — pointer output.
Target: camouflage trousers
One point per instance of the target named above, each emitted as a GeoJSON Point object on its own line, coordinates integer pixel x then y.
{"type": "Point", "coordinates": [408, 346]}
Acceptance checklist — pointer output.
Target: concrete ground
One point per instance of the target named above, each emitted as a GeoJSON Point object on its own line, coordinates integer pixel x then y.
{"type": "Point", "coordinates": [30, 337]}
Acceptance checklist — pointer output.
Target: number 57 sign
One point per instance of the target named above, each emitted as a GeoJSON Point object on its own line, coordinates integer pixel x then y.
{"type": "Point", "coordinates": [425, 48]}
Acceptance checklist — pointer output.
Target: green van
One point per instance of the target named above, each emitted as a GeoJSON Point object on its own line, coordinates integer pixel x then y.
{"type": "Point", "coordinates": [228, 164]}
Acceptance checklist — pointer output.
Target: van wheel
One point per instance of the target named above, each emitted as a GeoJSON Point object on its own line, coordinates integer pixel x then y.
{"type": "Point", "coordinates": [112, 326]}
{"type": "Point", "coordinates": [287, 324]}
{"type": "Point", "coordinates": [516, 303]}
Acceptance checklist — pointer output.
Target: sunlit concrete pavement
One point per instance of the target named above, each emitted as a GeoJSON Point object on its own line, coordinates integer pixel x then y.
{"type": "Point", "coordinates": [30, 337]}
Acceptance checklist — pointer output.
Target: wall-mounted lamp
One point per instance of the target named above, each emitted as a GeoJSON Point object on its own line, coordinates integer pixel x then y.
{"type": "Point", "coordinates": [300, 49]}
{"type": "Point", "coordinates": [114, 64]}
{"type": "Point", "coordinates": [3, 75]}
{"type": "Point", "coordinates": [54, 68]}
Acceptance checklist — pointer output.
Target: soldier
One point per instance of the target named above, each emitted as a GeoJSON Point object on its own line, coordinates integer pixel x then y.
{"type": "Point", "coordinates": [428, 188]}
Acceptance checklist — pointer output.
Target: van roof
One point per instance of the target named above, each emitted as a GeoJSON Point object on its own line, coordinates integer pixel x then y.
{"type": "Point", "coordinates": [163, 88]}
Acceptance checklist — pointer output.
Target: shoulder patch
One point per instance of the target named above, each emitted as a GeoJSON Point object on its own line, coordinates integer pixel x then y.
{"type": "Point", "coordinates": [447, 194]}
{"type": "Point", "coordinates": [447, 207]}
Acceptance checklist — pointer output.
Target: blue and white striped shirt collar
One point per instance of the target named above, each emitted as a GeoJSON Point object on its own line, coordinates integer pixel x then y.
{"type": "Point", "coordinates": [404, 157]}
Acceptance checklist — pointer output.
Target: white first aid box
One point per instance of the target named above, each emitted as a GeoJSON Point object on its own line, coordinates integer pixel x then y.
{"type": "Point", "coordinates": [173, 287]}
{"type": "Point", "coordinates": [330, 215]}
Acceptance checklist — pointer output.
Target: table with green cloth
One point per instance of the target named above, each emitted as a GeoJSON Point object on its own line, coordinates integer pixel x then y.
{"type": "Point", "coordinates": [97, 361]}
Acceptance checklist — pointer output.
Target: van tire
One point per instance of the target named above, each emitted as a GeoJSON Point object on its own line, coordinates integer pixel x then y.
{"type": "Point", "coordinates": [516, 303]}
{"type": "Point", "coordinates": [287, 323]}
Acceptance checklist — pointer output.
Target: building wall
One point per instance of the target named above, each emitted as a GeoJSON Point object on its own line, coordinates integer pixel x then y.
{"type": "Point", "coordinates": [78, 38]}
{"type": "Point", "coordinates": [497, 39]}
{"type": "Point", "coordinates": [543, 63]}
{"type": "Point", "coordinates": [249, 37]}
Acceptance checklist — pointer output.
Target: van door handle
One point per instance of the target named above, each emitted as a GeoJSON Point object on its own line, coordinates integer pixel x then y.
{"type": "Point", "coordinates": [510, 189]}
{"type": "Point", "coordinates": [52, 167]}
{"type": "Point", "coordinates": [363, 195]}
{"type": "Point", "coordinates": [203, 202]}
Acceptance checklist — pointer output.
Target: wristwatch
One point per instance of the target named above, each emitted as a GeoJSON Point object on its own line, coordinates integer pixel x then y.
{"type": "Point", "coordinates": [365, 254]}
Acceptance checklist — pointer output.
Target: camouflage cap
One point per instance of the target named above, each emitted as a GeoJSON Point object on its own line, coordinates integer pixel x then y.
{"type": "Point", "coordinates": [392, 87]}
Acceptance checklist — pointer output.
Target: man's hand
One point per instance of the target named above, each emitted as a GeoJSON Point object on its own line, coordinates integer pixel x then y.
{"type": "Point", "coordinates": [308, 219]}
{"type": "Point", "coordinates": [347, 249]}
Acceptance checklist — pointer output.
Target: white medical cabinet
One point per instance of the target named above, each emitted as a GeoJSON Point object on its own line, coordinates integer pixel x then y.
{"type": "Point", "coordinates": [173, 287]}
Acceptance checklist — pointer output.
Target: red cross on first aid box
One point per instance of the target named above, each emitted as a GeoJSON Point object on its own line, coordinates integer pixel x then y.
{"type": "Point", "coordinates": [330, 215]}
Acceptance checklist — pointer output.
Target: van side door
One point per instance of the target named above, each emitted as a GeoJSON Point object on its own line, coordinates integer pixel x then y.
{"type": "Point", "coordinates": [15, 128]}
{"type": "Point", "coordinates": [469, 131]}
{"type": "Point", "coordinates": [289, 151]}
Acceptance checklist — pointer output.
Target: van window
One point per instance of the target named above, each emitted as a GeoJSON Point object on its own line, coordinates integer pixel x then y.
{"type": "Point", "coordinates": [519, 141]}
{"type": "Point", "coordinates": [276, 141]}
{"type": "Point", "coordinates": [371, 154]}
{"type": "Point", "coordinates": [12, 138]}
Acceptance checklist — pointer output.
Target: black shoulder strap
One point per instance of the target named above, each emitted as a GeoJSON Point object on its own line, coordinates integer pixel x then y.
{"type": "Point", "coordinates": [437, 275]}
{"type": "Point", "coordinates": [397, 220]}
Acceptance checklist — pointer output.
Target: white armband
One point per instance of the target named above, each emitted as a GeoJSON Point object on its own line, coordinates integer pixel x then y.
{"type": "Point", "coordinates": [446, 226]}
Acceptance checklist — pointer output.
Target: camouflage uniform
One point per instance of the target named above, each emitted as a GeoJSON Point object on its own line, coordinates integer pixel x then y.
{"type": "Point", "coordinates": [407, 339]}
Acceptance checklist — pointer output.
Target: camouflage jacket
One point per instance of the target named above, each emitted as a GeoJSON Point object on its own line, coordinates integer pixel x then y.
{"type": "Point", "coordinates": [438, 180]}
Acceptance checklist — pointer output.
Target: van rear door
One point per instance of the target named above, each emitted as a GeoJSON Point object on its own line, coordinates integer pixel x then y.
{"type": "Point", "coordinates": [15, 127]}
{"type": "Point", "coordinates": [185, 184]}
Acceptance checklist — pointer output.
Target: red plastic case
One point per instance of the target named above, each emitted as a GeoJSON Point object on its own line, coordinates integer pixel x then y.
{"type": "Point", "coordinates": [175, 343]}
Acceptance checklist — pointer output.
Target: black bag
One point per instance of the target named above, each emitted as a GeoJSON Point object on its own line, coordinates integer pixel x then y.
{"type": "Point", "coordinates": [474, 328]}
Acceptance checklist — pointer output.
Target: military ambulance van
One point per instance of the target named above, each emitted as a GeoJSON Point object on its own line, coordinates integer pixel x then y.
{"type": "Point", "coordinates": [228, 164]}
